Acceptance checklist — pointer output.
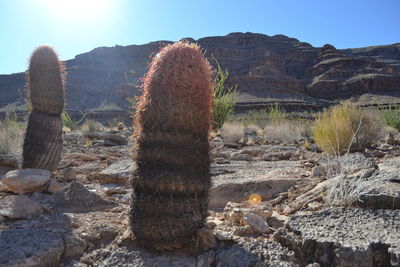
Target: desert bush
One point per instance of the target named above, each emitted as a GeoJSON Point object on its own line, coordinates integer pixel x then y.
{"type": "Point", "coordinates": [225, 98]}
{"type": "Point", "coordinates": [258, 131]}
{"type": "Point", "coordinates": [261, 118]}
{"type": "Point", "coordinates": [91, 126]}
{"type": "Point", "coordinates": [391, 116]}
{"type": "Point", "coordinates": [233, 132]}
{"type": "Point", "coordinates": [346, 128]}
{"type": "Point", "coordinates": [11, 137]}
{"type": "Point", "coordinates": [287, 131]}
{"type": "Point", "coordinates": [275, 114]}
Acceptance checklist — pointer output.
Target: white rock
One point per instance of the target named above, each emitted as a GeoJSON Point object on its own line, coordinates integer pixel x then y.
{"type": "Point", "coordinates": [19, 207]}
{"type": "Point", "coordinates": [256, 222]}
{"type": "Point", "coordinates": [223, 235]}
{"type": "Point", "coordinates": [26, 180]}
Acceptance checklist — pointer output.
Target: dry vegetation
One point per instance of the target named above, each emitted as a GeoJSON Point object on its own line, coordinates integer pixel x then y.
{"type": "Point", "coordinates": [346, 128]}
{"type": "Point", "coordinates": [11, 137]}
{"type": "Point", "coordinates": [91, 126]}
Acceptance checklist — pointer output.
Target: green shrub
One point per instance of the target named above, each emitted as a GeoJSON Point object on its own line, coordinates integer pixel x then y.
{"type": "Point", "coordinates": [225, 98]}
{"type": "Point", "coordinates": [275, 114]}
{"type": "Point", "coordinates": [391, 116]}
{"type": "Point", "coordinates": [346, 128]}
{"type": "Point", "coordinates": [69, 122]}
{"type": "Point", "coordinates": [272, 115]}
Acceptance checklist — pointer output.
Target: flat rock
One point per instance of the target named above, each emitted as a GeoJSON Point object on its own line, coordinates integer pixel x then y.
{"type": "Point", "coordinates": [348, 237]}
{"type": "Point", "coordinates": [260, 253]}
{"type": "Point", "coordinates": [76, 198]}
{"type": "Point", "coordinates": [113, 139]}
{"type": "Point", "coordinates": [29, 247]}
{"type": "Point", "coordinates": [118, 172]}
{"type": "Point", "coordinates": [26, 180]}
{"type": "Point", "coordinates": [346, 164]}
{"type": "Point", "coordinates": [133, 256]}
{"type": "Point", "coordinates": [238, 180]}
{"type": "Point", "coordinates": [382, 194]}
{"type": "Point", "coordinates": [19, 207]}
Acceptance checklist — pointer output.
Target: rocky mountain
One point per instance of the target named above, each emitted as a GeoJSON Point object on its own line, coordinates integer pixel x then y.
{"type": "Point", "coordinates": [265, 68]}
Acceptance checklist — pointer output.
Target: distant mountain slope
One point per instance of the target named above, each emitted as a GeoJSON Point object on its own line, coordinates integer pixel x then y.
{"type": "Point", "coordinates": [265, 68]}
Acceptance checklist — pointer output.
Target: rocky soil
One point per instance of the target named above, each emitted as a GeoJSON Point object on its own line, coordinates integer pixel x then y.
{"type": "Point", "coordinates": [270, 205]}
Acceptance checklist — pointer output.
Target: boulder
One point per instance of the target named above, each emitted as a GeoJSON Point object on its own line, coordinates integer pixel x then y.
{"type": "Point", "coordinates": [345, 237]}
{"type": "Point", "coordinates": [257, 223]}
{"type": "Point", "coordinates": [26, 180]}
{"type": "Point", "coordinates": [30, 247]}
{"type": "Point", "coordinates": [19, 207]}
{"type": "Point", "coordinates": [118, 172]}
{"type": "Point", "coordinates": [260, 253]}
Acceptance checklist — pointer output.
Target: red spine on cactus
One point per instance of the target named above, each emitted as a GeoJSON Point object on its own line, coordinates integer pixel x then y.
{"type": "Point", "coordinates": [172, 124]}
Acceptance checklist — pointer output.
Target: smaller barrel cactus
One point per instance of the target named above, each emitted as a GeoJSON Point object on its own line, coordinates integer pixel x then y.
{"type": "Point", "coordinates": [43, 139]}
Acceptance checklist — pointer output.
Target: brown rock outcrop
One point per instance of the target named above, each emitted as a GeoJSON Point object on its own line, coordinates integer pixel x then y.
{"type": "Point", "coordinates": [265, 68]}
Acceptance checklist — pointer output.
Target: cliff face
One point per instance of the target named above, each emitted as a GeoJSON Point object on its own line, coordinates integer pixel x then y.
{"type": "Point", "coordinates": [264, 68]}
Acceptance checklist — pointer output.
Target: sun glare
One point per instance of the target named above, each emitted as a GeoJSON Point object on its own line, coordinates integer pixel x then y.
{"type": "Point", "coordinates": [77, 9]}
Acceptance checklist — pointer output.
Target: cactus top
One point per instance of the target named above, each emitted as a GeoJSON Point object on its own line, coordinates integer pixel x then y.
{"type": "Point", "coordinates": [177, 91]}
{"type": "Point", "coordinates": [46, 81]}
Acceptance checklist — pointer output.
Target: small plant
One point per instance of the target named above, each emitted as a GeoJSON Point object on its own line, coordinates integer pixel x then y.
{"type": "Point", "coordinates": [275, 114]}
{"type": "Point", "coordinates": [233, 132]}
{"type": "Point", "coordinates": [346, 128]}
{"type": "Point", "coordinates": [391, 116]}
{"type": "Point", "coordinates": [91, 126]}
{"type": "Point", "coordinates": [287, 131]}
{"type": "Point", "coordinates": [121, 126]}
{"type": "Point", "coordinates": [11, 136]}
{"type": "Point", "coordinates": [225, 98]}
{"type": "Point", "coordinates": [69, 122]}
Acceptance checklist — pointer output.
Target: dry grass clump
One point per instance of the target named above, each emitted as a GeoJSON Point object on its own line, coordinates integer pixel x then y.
{"type": "Point", "coordinates": [233, 132]}
{"type": "Point", "coordinates": [92, 126]}
{"type": "Point", "coordinates": [11, 137]}
{"type": "Point", "coordinates": [346, 191]}
{"type": "Point", "coordinates": [287, 131]}
{"type": "Point", "coordinates": [346, 128]}
{"type": "Point", "coordinates": [258, 131]}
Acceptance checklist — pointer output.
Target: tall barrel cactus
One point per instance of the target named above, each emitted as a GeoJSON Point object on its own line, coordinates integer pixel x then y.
{"type": "Point", "coordinates": [172, 181]}
{"type": "Point", "coordinates": [43, 139]}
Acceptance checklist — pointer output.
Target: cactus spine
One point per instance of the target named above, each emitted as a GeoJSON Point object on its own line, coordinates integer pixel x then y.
{"type": "Point", "coordinates": [172, 180]}
{"type": "Point", "coordinates": [43, 139]}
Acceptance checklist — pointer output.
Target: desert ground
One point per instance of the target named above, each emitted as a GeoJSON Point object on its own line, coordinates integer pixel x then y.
{"type": "Point", "coordinates": [271, 204]}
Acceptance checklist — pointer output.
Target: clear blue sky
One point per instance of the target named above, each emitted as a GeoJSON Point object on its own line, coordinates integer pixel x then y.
{"type": "Point", "coordinates": [77, 26]}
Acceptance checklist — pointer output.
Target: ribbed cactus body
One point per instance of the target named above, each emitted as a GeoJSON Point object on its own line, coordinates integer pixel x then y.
{"type": "Point", "coordinates": [45, 78]}
{"type": "Point", "coordinates": [172, 123]}
{"type": "Point", "coordinates": [43, 139]}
